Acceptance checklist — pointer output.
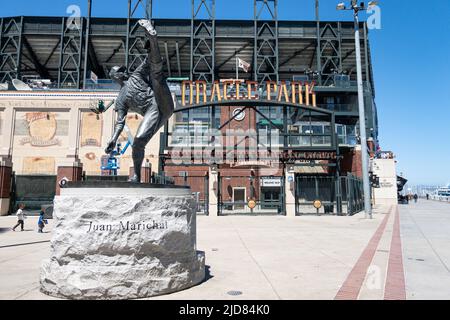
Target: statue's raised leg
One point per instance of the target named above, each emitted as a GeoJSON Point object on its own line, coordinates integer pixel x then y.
{"type": "Point", "coordinates": [157, 78]}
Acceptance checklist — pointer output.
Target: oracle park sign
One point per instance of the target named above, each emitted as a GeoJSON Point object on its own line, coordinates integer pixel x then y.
{"type": "Point", "coordinates": [201, 92]}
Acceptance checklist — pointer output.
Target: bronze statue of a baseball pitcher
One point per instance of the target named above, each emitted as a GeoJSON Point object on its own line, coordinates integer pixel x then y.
{"type": "Point", "coordinates": [145, 92]}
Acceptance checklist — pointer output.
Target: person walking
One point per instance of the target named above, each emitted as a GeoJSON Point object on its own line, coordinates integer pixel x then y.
{"type": "Point", "coordinates": [415, 197]}
{"type": "Point", "coordinates": [428, 196]}
{"type": "Point", "coordinates": [20, 218]}
{"type": "Point", "coordinates": [41, 221]}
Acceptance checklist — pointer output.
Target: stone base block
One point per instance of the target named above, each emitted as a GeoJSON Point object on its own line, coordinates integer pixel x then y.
{"type": "Point", "coordinates": [120, 282]}
{"type": "Point", "coordinates": [122, 241]}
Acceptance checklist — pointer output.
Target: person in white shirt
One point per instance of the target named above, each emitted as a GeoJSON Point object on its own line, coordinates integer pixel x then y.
{"type": "Point", "coordinates": [20, 217]}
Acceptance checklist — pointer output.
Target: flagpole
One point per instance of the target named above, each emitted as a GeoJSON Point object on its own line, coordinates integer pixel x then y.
{"type": "Point", "coordinates": [237, 69]}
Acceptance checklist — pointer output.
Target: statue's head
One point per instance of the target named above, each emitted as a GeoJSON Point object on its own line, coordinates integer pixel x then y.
{"type": "Point", "coordinates": [118, 74]}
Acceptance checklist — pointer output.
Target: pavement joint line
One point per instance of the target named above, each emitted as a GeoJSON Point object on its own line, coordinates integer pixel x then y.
{"type": "Point", "coordinates": [256, 262]}
{"type": "Point", "coordinates": [320, 251]}
{"type": "Point", "coordinates": [428, 241]}
{"type": "Point", "coordinates": [351, 287]}
{"type": "Point", "coordinates": [23, 244]}
{"type": "Point", "coordinates": [26, 292]}
{"type": "Point", "coordinates": [395, 288]}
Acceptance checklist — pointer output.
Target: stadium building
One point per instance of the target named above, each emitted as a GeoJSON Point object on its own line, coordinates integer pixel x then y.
{"type": "Point", "coordinates": [266, 118]}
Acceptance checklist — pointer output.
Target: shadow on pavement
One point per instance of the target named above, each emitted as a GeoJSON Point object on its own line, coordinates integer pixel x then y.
{"type": "Point", "coordinates": [23, 244]}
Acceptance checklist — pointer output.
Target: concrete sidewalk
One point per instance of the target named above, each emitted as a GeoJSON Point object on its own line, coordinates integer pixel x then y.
{"type": "Point", "coordinates": [263, 257]}
{"type": "Point", "coordinates": [425, 229]}
{"type": "Point", "coordinates": [402, 253]}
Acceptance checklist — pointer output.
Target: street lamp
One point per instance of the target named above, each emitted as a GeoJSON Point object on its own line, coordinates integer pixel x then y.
{"type": "Point", "coordinates": [362, 117]}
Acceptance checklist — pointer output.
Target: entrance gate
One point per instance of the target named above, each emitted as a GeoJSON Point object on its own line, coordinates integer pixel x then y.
{"type": "Point", "coordinates": [346, 191]}
{"type": "Point", "coordinates": [352, 194]}
{"type": "Point", "coordinates": [235, 192]}
{"type": "Point", "coordinates": [228, 132]}
{"type": "Point", "coordinates": [312, 188]}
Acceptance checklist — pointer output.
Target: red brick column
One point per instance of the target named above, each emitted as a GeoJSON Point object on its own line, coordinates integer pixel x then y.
{"type": "Point", "coordinates": [5, 186]}
{"type": "Point", "coordinates": [352, 162]}
{"type": "Point", "coordinates": [73, 173]}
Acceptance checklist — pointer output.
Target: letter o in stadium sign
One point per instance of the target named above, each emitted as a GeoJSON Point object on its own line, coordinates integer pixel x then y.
{"type": "Point", "coordinates": [240, 116]}
{"type": "Point", "coordinates": [317, 204]}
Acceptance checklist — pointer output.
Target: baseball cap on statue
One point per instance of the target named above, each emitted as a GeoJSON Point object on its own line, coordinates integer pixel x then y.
{"type": "Point", "coordinates": [117, 72]}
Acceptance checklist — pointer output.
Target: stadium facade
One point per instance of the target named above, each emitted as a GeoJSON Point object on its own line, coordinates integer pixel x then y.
{"type": "Point", "coordinates": [275, 139]}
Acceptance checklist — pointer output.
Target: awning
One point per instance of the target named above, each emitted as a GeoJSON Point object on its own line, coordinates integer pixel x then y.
{"type": "Point", "coordinates": [265, 122]}
{"type": "Point", "coordinates": [310, 170]}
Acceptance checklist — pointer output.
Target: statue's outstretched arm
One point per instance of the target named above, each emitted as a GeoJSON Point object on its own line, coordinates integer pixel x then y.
{"type": "Point", "coordinates": [120, 124]}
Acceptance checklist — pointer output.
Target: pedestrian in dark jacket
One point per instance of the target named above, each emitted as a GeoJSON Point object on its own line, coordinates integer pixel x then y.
{"type": "Point", "coordinates": [41, 221]}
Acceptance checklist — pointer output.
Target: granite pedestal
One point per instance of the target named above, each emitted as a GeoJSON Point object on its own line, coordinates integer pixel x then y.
{"type": "Point", "coordinates": [116, 240]}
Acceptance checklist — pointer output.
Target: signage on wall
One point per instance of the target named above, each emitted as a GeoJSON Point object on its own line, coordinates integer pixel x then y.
{"type": "Point", "coordinates": [271, 182]}
{"type": "Point", "coordinates": [288, 156]}
{"type": "Point", "coordinates": [196, 92]}
{"type": "Point", "coordinates": [293, 155]}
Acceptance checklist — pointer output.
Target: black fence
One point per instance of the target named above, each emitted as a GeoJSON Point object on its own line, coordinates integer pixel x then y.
{"type": "Point", "coordinates": [237, 192]}
{"type": "Point", "coordinates": [352, 194]}
{"type": "Point", "coordinates": [156, 179]}
{"type": "Point", "coordinates": [337, 196]}
{"type": "Point", "coordinates": [35, 191]}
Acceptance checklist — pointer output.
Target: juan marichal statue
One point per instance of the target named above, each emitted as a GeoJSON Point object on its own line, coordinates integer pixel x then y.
{"type": "Point", "coordinates": [145, 92]}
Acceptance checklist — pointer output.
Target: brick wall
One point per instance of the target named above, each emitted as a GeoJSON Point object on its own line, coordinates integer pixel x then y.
{"type": "Point", "coordinates": [71, 173]}
{"type": "Point", "coordinates": [195, 177]}
{"type": "Point", "coordinates": [351, 162]}
{"type": "Point", "coordinates": [5, 182]}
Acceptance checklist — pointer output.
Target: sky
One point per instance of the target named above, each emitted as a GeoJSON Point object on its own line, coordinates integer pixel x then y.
{"type": "Point", "coordinates": [410, 54]}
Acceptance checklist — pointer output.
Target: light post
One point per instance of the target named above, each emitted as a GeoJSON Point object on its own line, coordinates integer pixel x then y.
{"type": "Point", "coordinates": [362, 117]}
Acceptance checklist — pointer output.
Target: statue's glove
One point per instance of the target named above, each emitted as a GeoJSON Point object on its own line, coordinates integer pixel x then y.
{"type": "Point", "coordinates": [110, 147]}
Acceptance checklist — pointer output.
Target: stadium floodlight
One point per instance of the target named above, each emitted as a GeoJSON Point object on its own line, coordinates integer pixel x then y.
{"type": "Point", "coordinates": [340, 6]}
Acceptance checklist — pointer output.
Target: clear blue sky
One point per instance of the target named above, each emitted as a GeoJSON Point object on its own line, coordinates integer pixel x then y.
{"type": "Point", "coordinates": [410, 53]}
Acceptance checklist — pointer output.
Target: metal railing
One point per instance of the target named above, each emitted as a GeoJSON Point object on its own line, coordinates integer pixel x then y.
{"type": "Point", "coordinates": [440, 198]}
{"type": "Point", "coordinates": [162, 179]}
{"type": "Point", "coordinates": [339, 107]}
{"type": "Point", "coordinates": [241, 208]}
{"type": "Point", "coordinates": [352, 194]}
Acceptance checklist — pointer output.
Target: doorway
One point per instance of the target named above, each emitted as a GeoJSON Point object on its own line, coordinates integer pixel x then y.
{"type": "Point", "coordinates": [239, 199]}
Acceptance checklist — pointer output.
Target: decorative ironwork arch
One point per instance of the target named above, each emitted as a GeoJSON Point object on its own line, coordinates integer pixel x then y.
{"type": "Point", "coordinates": [253, 103]}
{"type": "Point", "coordinates": [302, 113]}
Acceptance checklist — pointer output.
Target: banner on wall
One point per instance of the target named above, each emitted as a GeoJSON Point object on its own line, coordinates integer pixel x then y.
{"type": "Point", "coordinates": [42, 129]}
